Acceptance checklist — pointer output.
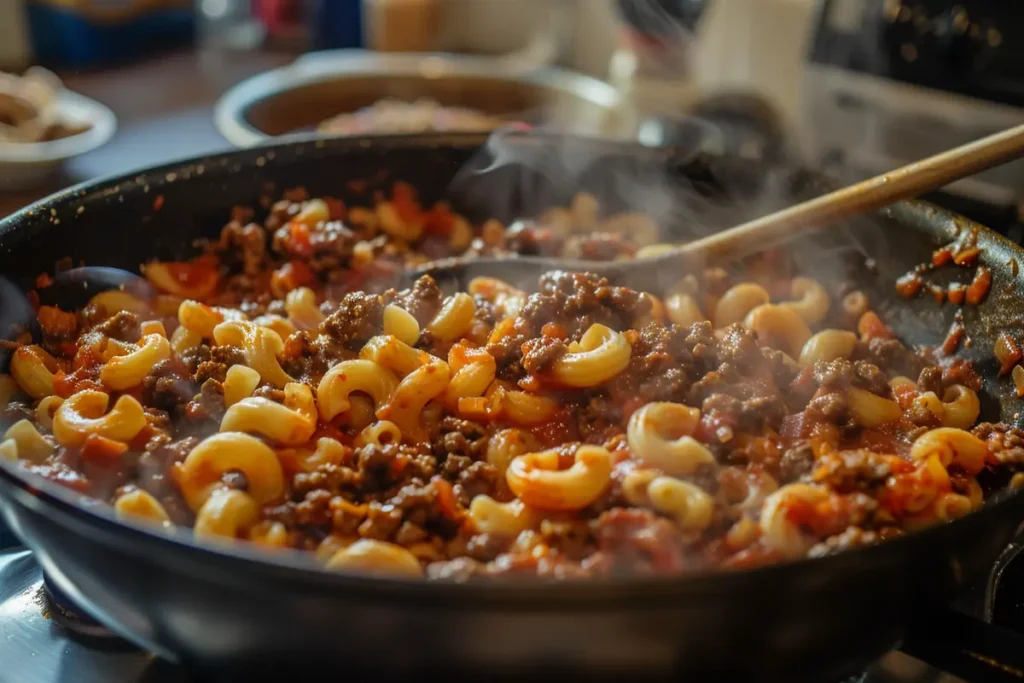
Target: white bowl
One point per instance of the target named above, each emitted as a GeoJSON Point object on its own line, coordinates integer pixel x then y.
{"type": "Point", "coordinates": [26, 165]}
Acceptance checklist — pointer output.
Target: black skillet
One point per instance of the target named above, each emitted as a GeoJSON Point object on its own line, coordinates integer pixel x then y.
{"type": "Point", "coordinates": [232, 610]}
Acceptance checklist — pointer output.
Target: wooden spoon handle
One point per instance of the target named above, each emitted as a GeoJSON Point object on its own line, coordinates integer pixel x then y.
{"type": "Point", "coordinates": [910, 181]}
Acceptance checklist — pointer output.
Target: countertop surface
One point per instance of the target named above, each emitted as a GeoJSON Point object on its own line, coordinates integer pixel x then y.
{"type": "Point", "coordinates": [164, 107]}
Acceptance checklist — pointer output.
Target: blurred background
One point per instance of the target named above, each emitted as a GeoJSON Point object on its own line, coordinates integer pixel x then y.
{"type": "Point", "coordinates": [851, 87]}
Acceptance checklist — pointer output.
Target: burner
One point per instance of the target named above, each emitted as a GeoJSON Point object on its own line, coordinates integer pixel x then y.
{"type": "Point", "coordinates": [47, 640]}
{"type": "Point", "coordinates": [67, 615]}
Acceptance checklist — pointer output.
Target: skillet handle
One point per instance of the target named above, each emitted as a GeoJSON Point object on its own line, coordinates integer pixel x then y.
{"type": "Point", "coordinates": [966, 647]}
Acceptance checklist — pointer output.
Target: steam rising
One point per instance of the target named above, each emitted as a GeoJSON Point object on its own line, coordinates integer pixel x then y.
{"type": "Point", "coordinates": [685, 190]}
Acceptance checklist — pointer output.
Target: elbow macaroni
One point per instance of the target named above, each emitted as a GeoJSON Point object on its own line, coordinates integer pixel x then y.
{"type": "Point", "coordinates": [261, 346]}
{"type": "Point", "coordinates": [125, 372]}
{"type": "Point", "coordinates": [738, 302]}
{"type": "Point", "coordinates": [34, 369]}
{"type": "Point", "coordinates": [811, 301]}
{"type": "Point", "coordinates": [290, 424]}
{"type": "Point", "coordinates": [779, 327]}
{"type": "Point", "coordinates": [952, 447]}
{"type": "Point", "coordinates": [303, 311]}
{"type": "Point", "coordinates": [365, 376]}
{"type": "Point", "coordinates": [401, 325]}
{"type": "Point", "coordinates": [501, 519]}
{"type": "Point", "coordinates": [85, 413]}
{"type": "Point", "coordinates": [827, 345]}
{"type": "Point", "coordinates": [376, 557]}
{"type": "Point", "coordinates": [29, 443]}
{"type": "Point", "coordinates": [141, 506]}
{"type": "Point", "coordinates": [778, 530]}
{"type": "Point", "coordinates": [227, 513]}
{"type": "Point", "coordinates": [600, 354]}
{"type": "Point", "coordinates": [686, 503]}
{"type": "Point", "coordinates": [871, 410]}
{"type": "Point", "coordinates": [537, 479]}
{"type": "Point", "coordinates": [455, 317]}
{"type": "Point", "coordinates": [391, 353]}
{"type": "Point", "coordinates": [406, 404]}
{"type": "Point", "coordinates": [239, 383]}
{"type": "Point", "coordinates": [659, 435]}
{"type": "Point", "coordinates": [199, 474]}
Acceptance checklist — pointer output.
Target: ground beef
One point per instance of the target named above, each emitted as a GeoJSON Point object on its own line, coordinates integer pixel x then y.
{"type": "Point", "coordinates": [123, 326]}
{"type": "Point", "coordinates": [751, 415]}
{"type": "Point", "coordinates": [796, 463]}
{"type": "Point", "coordinates": [410, 533]}
{"type": "Point", "coordinates": [381, 522]}
{"type": "Point", "coordinates": [478, 479]}
{"type": "Point", "coordinates": [930, 379]}
{"type": "Point", "coordinates": [359, 317]}
{"type": "Point", "coordinates": [573, 301]}
{"type": "Point", "coordinates": [840, 373]}
{"type": "Point", "coordinates": [579, 300]}
{"type": "Point", "coordinates": [869, 377]}
{"type": "Point", "coordinates": [487, 547]}
{"type": "Point", "coordinates": [154, 467]}
{"type": "Point", "coordinates": [573, 539]}
{"type": "Point", "coordinates": [247, 244]}
{"type": "Point", "coordinates": [210, 370]}
{"type": "Point", "coordinates": [832, 407]}
{"type": "Point", "coordinates": [631, 541]}
{"type": "Point", "coordinates": [458, 444]}
{"type": "Point", "coordinates": [423, 300]}
{"type": "Point", "coordinates": [662, 366]}
{"type": "Point", "coordinates": [164, 388]}
{"type": "Point", "coordinates": [892, 356]}
{"type": "Point", "coordinates": [209, 403]}
{"type": "Point", "coordinates": [485, 311]}
{"type": "Point", "coordinates": [849, 471]}
{"type": "Point", "coordinates": [1005, 442]}
{"type": "Point", "coordinates": [227, 355]}
{"type": "Point", "coordinates": [192, 358]}
{"type": "Point", "coordinates": [454, 465]}
{"type": "Point", "coordinates": [531, 239]}
{"type": "Point", "coordinates": [332, 478]}
{"type": "Point", "coordinates": [599, 246]}
{"type": "Point", "coordinates": [314, 509]}
{"type": "Point", "coordinates": [739, 347]}
{"type": "Point", "coordinates": [270, 393]}
{"type": "Point", "coordinates": [600, 418]}
{"type": "Point", "coordinates": [540, 353]}
{"type": "Point", "coordinates": [836, 373]}
{"type": "Point", "coordinates": [418, 503]}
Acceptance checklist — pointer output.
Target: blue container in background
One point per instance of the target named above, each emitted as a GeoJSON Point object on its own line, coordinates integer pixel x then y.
{"type": "Point", "coordinates": [86, 33]}
{"type": "Point", "coordinates": [337, 24]}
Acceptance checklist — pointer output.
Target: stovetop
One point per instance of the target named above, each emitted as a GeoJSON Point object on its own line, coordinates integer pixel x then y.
{"type": "Point", "coordinates": [40, 642]}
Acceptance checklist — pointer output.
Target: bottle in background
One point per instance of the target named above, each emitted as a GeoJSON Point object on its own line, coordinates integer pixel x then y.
{"type": "Point", "coordinates": [15, 49]}
{"type": "Point", "coordinates": [401, 25]}
{"type": "Point", "coordinates": [336, 24]}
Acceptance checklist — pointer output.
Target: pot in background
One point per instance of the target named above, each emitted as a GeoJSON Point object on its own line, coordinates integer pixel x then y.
{"type": "Point", "coordinates": [296, 98]}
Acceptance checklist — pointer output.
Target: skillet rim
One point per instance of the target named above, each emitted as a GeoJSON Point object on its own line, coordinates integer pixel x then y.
{"type": "Point", "coordinates": [82, 510]}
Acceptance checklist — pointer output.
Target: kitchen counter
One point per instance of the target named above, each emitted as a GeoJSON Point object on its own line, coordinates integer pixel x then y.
{"type": "Point", "coordinates": [164, 107]}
